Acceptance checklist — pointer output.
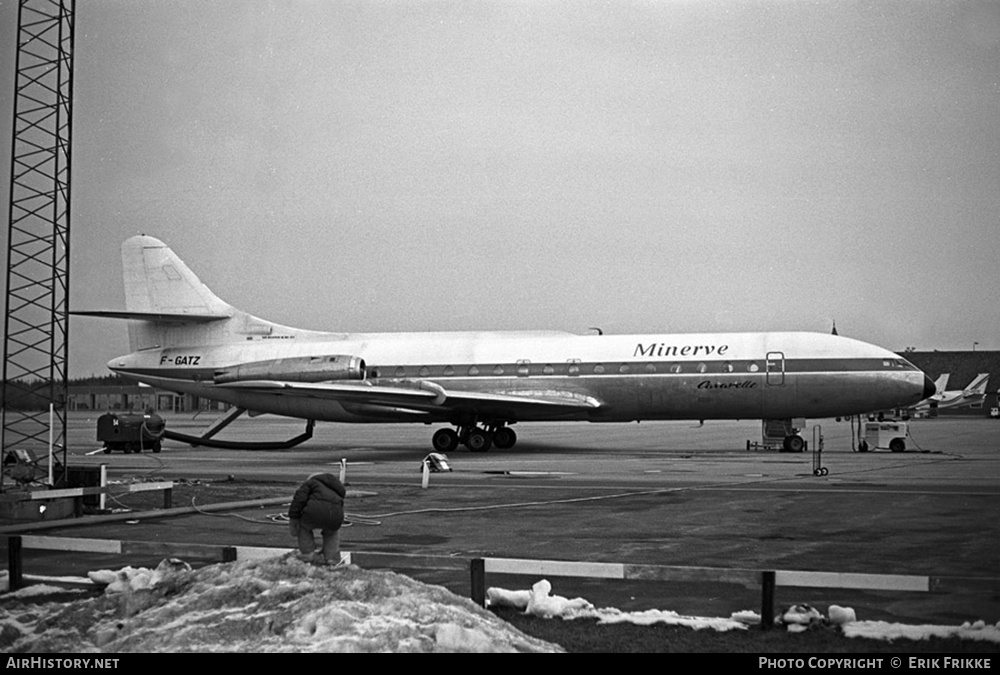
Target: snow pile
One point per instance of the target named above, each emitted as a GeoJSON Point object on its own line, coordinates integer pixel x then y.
{"type": "Point", "coordinates": [273, 605]}
{"type": "Point", "coordinates": [798, 618]}
{"type": "Point", "coordinates": [137, 579]}
{"type": "Point", "coordinates": [841, 615]}
{"type": "Point", "coordinates": [540, 602]}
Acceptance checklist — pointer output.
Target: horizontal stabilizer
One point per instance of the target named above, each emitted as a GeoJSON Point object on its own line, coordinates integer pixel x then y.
{"type": "Point", "coordinates": [155, 317]}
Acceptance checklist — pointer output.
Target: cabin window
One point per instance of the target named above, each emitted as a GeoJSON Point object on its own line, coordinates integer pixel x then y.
{"type": "Point", "coordinates": [702, 368]}
{"type": "Point", "coordinates": [574, 366]}
{"type": "Point", "coordinates": [425, 371]}
{"type": "Point", "coordinates": [650, 368]}
{"type": "Point", "coordinates": [474, 370]}
{"type": "Point", "coordinates": [727, 367]}
{"type": "Point", "coordinates": [548, 370]}
{"type": "Point", "coordinates": [449, 371]}
{"type": "Point", "coordinates": [675, 367]}
{"type": "Point", "coordinates": [623, 368]}
{"type": "Point", "coordinates": [374, 372]}
{"type": "Point", "coordinates": [498, 370]}
{"type": "Point", "coordinates": [400, 371]}
{"type": "Point", "coordinates": [753, 367]}
{"type": "Point", "coordinates": [523, 368]}
{"type": "Point", "coordinates": [598, 369]}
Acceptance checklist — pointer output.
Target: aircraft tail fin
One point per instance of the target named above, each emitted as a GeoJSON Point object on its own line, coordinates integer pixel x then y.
{"type": "Point", "coordinates": [165, 299]}
{"type": "Point", "coordinates": [158, 282]}
{"type": "Point", "coordinates": [978, 385]}
{"type": "Point", "coordinates": [942, 382]}
{"type": "Point", "coordinates": [169, 306]}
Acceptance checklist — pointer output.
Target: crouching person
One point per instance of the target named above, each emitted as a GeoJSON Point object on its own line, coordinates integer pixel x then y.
{"type": "Point", "coordinates": [318, 504]}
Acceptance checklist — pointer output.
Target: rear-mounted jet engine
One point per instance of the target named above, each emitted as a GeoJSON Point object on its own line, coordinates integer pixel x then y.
{"type": "Point", "coordinates": [296, 369]}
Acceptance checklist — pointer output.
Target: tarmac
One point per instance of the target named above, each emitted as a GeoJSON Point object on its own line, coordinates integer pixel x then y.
{"type": "Point", "coordinates": [673, 494]}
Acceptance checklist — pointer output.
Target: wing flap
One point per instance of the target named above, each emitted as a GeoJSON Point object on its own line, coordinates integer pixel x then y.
{"type": "Point", "coordinates": [352, 392]}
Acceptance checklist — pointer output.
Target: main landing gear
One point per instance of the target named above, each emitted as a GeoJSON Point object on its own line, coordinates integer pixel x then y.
{"type": "Point", "coordinates": [476, 439]}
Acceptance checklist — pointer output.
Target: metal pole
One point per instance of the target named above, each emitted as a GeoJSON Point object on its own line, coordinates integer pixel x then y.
{"type": "Point", "coordinates": [767, 600]}
{"type": "Point", "coordinates": [51, 416]}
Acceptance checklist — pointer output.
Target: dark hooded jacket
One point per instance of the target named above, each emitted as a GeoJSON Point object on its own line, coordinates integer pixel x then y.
{"type": "Point", "coordinates": [319, 502]}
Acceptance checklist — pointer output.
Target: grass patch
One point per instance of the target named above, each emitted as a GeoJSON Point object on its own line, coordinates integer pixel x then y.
{"type": "Point", "coordinates": [587, 636]}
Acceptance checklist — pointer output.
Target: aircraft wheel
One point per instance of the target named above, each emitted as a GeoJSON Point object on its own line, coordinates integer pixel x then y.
{"type": "Point", "coordinates": [157, 447]}
{"type": "Point", "coordinates": [504, 438]}
{"type": "Point", "coordinates": [445, 440]}
{"type": "Point", "coordinates": [478, 441]}
{"type": "Point", "coordinates": [862, 446]}
{"type": "Point", "coordinates": [794, 443]}
{"type": "Point", "coordinates": [897, 445]}
{"type": "Point", "coordinates": [107, 450]}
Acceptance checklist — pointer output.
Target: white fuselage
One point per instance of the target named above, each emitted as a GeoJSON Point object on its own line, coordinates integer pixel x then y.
{"type": "Point", "coordinates": [629, 377]}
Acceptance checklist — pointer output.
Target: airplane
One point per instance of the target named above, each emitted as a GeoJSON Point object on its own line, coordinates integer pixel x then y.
{"type": "Point", "coordinates": [184, 338]}
{"type": "Point", "coordinates": [973, 395]}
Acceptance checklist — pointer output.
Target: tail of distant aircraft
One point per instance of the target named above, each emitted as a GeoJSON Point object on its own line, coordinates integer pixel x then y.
{"type": "Point", "coordinates": [978, 386]}
{"type": "Point", "coordinates": [170, 307]}
{"type": "Point", "coordinates": [942, 382]}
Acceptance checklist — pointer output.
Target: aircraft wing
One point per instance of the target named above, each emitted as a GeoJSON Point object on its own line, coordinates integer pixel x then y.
{"type": "Point", "coordinates": [429, 397]}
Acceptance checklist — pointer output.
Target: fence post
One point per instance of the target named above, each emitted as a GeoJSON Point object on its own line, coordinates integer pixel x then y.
{"type": "Point", "coordinates": [477, 568]}
{"type": "Point", "coordinates": [102, 500]}
{"type": "Point", "coordinates": [14, 571]}
{"type": "Point", "coordinates": [767, 600]}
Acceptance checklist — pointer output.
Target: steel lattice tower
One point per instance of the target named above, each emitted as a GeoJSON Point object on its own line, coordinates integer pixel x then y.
{"type": "Point", "coordinates": [37, 309]}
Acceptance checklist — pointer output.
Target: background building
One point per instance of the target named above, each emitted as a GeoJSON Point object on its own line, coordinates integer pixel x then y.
{"type": "Point", "coordinates": [125, 397]}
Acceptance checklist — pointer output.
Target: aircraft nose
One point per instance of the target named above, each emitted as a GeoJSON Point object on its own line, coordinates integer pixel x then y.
{"type": "Point", "coordinates": [929, 387]}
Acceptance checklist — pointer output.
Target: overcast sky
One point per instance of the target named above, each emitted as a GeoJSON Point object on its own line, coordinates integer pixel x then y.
{"type": "Point", "coordinates": [639, 166]}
